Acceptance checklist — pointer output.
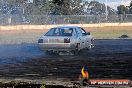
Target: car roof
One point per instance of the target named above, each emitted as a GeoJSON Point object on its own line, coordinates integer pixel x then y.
{"type": "Point", "coordinates": [67, 27]}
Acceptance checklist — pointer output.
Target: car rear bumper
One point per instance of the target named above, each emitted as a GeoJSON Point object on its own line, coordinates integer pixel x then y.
{"type": "Point", "coordinates": [56, 46]}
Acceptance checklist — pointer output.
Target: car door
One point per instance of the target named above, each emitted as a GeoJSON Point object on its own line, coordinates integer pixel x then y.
{"type": "Point", "coordinates": [79, 37]}
{"type": "Point", "coordinates": [86, 38]}
{"type": "Point", "coordinates": [83, 38]}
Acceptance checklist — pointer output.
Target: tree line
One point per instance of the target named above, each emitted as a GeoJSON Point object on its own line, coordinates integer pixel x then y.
{"type": "Point", "coordinates": [122, 9]}
{"type": "Point", "coordinates": [60, 7]}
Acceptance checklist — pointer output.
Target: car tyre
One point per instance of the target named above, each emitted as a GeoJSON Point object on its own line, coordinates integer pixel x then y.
{"type": "Point", "coordinates": [91, 44]}
{"type": "Point", "coordinates": [75, 52]}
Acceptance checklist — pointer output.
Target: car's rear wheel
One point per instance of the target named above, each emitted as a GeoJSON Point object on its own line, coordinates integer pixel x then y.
{"type": "Point", "coordinates": [75, 52]}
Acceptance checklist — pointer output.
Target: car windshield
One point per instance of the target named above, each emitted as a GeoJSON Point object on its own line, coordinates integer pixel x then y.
{"type": "Point", "coordinates": [60, 32]}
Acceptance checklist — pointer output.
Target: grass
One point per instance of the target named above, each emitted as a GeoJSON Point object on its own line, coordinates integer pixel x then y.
{"type": "Point", "coordinates": [31, 36]}
{"type": "Point", "coordinates": [111, 34]}
{"type": "Point", "coordinates": [19, 36]}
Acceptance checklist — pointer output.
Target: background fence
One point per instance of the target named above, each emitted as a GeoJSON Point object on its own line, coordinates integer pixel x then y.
{"type": "Point", "coordinates": [62, 19]}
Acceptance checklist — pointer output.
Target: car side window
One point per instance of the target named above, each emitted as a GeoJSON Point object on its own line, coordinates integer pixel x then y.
{"type": "Point", "coordinates": [57, 31]}
{"type": "Point", "coordinates": [78, 32]}
{"type": "Point", "coordinates": [67, 31]}
{"type": "Point", "coordinates": [83, 32]}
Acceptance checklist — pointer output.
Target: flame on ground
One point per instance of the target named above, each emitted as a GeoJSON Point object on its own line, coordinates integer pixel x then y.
{"type": "Point", "coordinates": [84, 73]}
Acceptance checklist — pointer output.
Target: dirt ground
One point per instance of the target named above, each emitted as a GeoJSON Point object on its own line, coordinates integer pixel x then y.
{"type": "Point", "coordinates": [109, 59]}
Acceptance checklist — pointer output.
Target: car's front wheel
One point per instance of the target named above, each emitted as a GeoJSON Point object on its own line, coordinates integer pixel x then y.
{"type": "Point", "coordinates": [92, 44]}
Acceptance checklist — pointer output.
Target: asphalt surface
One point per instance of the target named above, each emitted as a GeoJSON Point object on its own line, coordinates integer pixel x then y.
{"type": "Point", "coordinates": [110, 59]}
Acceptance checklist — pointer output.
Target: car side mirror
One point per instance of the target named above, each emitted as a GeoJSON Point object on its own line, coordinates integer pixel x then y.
{"type": "Point", "coordinates": [88, 33]}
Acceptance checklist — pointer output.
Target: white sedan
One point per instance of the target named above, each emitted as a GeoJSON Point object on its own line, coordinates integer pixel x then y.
{"type": "Point", "coordinates": [66, 39]}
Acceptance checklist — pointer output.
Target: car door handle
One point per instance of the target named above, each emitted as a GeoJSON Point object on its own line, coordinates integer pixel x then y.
{"type": "Point", "coordinates": [82, 42]}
